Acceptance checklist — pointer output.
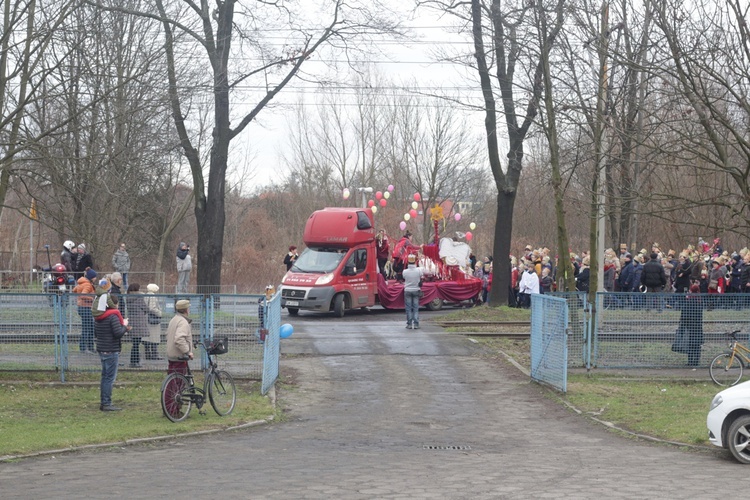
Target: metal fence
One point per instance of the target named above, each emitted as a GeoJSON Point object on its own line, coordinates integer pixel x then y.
{"type": "Point", "coordinates": [45, 332]}
{"type": "Point", "coordinates": [637, 330]}
{"type": "Point", "coordinates": [632, 331]}
{"type": "Point", "coordinates": [549, 340]}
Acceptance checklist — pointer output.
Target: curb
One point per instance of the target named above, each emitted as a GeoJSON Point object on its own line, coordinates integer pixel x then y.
{"type": "Point", "coordinates": [129, 442]}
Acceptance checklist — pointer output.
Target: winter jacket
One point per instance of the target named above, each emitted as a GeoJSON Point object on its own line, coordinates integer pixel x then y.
{"type": "Point", "coordinates": [121, 261]}
{"type": "Point", "coordinates": [529, 283]}
{"type": "Point", "coordinates": [67, 259]}
{"type": "Point", "coordinates": [179, 337]}
{"type": "Point", "coordinates": [745, 276]}
{"type": "Point", "coordinates": [137, 314]}
{"type": "Point", "coordinates": [101, 302]}
{"type": "Point", "coordinates": [83, 260]}
{"type": "Point", "coordinates": [84, 286]}
{"type": "Point", "coordinates": [682, 278]}
{"type": "Point", "coordinates": [626, 277]}
{"type": "Point", "coordinates": [653, 275]}
{"type": "Point", "coordinates": [184, 261]}
{"type": "Point", "coordinates": [108, 332]}
{"type": "Point", "coordinates": [154, 331]}
{"type": "Point", "coordinates": [582, 280]}
{"type": "Point", "coordinates": [609, 276]}
{"type": "Point", "coordinates": [637, 276]}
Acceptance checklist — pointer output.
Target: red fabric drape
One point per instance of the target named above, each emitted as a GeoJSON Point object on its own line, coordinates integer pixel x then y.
{"type": "Point", "coordinates": [391, 293]}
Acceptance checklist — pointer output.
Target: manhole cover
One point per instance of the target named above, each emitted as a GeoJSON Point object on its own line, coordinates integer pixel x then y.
{"type": "Point", "coordinates": [449, 447]}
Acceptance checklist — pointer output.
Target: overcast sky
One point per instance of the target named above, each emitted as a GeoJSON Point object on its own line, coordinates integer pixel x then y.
{"type": "Point", "coordinates": [402, 62]}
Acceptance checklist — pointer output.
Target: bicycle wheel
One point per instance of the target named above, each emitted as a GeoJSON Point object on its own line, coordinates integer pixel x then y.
{"type": "Point", "coordinates": [726, 370]}
{"type": "Point", "coordinates": [174, 402]}
{"type": "Point", "coordinates": [221, 392]}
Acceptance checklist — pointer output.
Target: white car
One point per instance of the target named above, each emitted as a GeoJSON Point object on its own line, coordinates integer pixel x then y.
{"type": "Point", "coordinates": [728, 421]}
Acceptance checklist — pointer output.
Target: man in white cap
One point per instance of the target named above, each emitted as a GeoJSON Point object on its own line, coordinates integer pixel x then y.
{"type": "Point", "coordinates": [179, 350]}
{"type": "Point", "coordinates": [180, 338]}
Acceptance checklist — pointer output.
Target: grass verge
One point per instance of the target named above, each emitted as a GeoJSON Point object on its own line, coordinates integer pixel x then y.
{"type": "Point", "coordinates": [672, 409]}
{"type": "Point", "coordinates": [40, 414]}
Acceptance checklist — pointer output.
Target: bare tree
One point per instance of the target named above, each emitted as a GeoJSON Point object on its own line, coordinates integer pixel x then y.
{"type": "Point", "coordinates": [207, 34]}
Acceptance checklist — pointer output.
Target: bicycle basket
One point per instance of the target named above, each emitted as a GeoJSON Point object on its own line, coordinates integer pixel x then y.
{"type": "Point", "coordinates": [218, 346]}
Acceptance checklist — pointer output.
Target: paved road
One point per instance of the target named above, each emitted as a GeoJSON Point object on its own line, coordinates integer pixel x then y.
{"type": "Point", "coordinates": [382, 412]}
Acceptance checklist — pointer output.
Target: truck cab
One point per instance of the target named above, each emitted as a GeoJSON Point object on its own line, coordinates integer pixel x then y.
{"type": "Point", "coordinates": [338, 269]}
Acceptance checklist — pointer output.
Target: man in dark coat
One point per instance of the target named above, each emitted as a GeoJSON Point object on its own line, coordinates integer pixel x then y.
{"type": "Point", "coordinates": [83, 260]}
{"type": "Point", "coordinates": [653, 277]}
{"type": "Point", "coordinates": [682, 276]}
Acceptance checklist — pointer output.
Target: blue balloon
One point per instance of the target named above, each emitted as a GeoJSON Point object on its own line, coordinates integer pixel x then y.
{"type": "Point", "coordinates": [286, 331]}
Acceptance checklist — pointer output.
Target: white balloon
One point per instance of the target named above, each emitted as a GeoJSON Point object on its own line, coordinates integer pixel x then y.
{"type": "Point", "coordinates": [414, 205]}
{"type": "Point", "coordinates": [472, 226]}
{"type": "Point", "coordinates": [407, 216]}
{"type": "Point", "coordinates": [387, 195]}
{"type": "Point", "coordinates": [374, 209]}
{"type": "Point", "coordinates": [346, 193]}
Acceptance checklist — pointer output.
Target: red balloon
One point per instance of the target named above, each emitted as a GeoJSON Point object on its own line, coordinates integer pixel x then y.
{"type": "Point", "coordinates": [383, 202]}
{"type": "Point", "coordinates": [417, 197]}
{"type": "Point", "coordinates": [378, 195]}
{"type": "Point", "coordinates": [469, 236]}
{"type": "Point", "coordinates": [413, 213]}
{"type": "Point", "coordinates": [370, 203]}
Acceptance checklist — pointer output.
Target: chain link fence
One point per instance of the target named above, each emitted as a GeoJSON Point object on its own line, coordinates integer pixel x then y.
{"type": "Point", "coordinates": [51, 332]}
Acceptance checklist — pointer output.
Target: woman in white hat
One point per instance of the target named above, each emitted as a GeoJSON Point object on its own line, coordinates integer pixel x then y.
{"type": "Point", "coordinates": [151, 343]}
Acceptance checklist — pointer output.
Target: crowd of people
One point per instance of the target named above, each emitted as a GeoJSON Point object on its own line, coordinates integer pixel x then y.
{"type": "Point", "coordinates": [113, 310]}
{"type": "Point", "coordinates": [702, 268]}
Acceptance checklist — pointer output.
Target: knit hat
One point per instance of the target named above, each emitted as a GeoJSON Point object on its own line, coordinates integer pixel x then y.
{"type": "Point", "coordinates": [105, 284]}
{"type": "Point", "coordinates": [152, 287]}
{"type": "Point", "coordinates": [182, 305]}
{"type": "Point", "coordinates": [82, 246]}
{"type": "Point", "coordinates": [90, 274]}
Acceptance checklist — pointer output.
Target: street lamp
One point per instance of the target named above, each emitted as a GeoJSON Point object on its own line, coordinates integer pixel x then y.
{"type": "Point", "coordinates": [364, 191]}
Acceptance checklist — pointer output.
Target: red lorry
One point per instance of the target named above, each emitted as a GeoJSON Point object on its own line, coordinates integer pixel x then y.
{"type": "Point", "coordinates": [338, 271]}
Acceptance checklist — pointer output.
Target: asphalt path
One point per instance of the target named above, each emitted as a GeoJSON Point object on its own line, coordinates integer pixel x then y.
{"type": "Point", "coordinates": [378, 411]}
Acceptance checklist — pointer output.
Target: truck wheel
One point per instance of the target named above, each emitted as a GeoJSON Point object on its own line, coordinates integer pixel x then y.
{"type": "Point", "coordinates": [338, 305]}
{"type": "Point", "coordinates": [435, 305]}
{"type": "Point", "coordinates": [293, 311]}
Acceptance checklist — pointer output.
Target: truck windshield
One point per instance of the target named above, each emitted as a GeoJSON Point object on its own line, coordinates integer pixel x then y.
{"type": "Point", "coordinates": [319, 260]}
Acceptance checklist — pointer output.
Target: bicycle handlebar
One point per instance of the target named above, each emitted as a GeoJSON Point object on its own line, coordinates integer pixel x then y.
{"type": "Point", "coordinates": [733, 334]}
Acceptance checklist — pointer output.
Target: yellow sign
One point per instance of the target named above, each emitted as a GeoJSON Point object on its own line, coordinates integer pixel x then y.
{"type": "Point", "coordinates": [32, 212]}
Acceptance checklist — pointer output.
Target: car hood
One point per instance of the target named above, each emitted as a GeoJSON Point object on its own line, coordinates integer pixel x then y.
{"type": "Point", "coordinates": [739, 391]}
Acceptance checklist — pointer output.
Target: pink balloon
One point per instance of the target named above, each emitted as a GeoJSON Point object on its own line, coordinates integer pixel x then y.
{"type": "Point", "coordinates": [469, 236]}
{"type": "Point", "coordinates": [378, 195]}
{"type": "Point", "coordinates": [370, 203]}
{"type": "Point", "coordinates": [417, 197]}
{"type": "Point", "coordinates": [390, 188]}
{"type": "Point", "coordinates": [457, 217]}
{"type": "Point", "coordinates": [413, 213]}
{"type": "Point", "coordinates": [383, 202]}
{"type": "Point", "coordinates": [402, 225]}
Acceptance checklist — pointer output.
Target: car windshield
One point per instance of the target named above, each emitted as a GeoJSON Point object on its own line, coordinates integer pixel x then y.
{"type": "Point", "coordinates": [319, 260]}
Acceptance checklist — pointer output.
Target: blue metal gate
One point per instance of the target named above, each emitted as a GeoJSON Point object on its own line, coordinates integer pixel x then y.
{"type": "Point", "coordinates": [549, 341]}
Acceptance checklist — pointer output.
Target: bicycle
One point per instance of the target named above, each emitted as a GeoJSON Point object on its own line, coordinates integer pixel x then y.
{"type": "Point", "coordinates": [179, 393]}
{"type": "Point", "coordinates": [726, 368]}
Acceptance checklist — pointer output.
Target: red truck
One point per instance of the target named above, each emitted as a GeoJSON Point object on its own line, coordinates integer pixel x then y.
{"type": "Point", "coordinates": [338, 271]}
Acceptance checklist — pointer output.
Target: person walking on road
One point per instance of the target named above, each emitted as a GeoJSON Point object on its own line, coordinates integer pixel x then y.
{"type": "Point", "coordinates": [121, 264]}
{"type": "Point", "coordinates": [412, 291]}
{"type": "Point", "coordinates": [184, 266]}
